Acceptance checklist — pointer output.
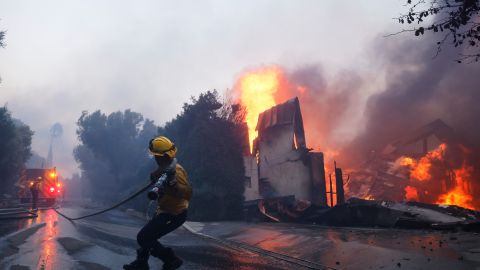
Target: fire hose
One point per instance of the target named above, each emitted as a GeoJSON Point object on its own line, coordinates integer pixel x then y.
{"type": "Point", "coordinates": [15, 213]}
{"type": "Point", "coordinates": [166, 178]}
{"type": "Point", "coordinates": [111, 207]}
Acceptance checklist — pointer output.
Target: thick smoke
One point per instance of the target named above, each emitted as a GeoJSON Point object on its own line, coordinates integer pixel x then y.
{"type": "Point", "coordinates": [325, 103]}
{"type": "Point", "coordinates": [419, 89]}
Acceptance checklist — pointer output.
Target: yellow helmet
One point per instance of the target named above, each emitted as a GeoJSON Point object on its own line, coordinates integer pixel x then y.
{"type": "Point", "coordinates": [161, 146]}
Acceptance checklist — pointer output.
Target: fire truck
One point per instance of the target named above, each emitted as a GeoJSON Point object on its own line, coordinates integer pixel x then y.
{"type": "Point", "coordinates": [50, 189]}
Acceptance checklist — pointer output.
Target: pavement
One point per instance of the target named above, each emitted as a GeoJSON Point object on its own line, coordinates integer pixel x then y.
{"type": "Point", "coordinates": [354, 248]}
{"type": "Point", "coordinates": [108, 241]}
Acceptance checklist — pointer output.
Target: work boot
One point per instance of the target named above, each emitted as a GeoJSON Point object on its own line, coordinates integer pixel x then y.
{"type": "Point", "coordinates": [173, 264]}
{"type": "Point", "coordinates": [140, 263]}
{"type": "Point", "coordinates": [170, 260]}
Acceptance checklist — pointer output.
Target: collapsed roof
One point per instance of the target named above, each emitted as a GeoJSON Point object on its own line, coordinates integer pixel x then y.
{"type": "Point", "coordinates": [284, 114]}
{"type": "Point", "coordinates": [437, 128]}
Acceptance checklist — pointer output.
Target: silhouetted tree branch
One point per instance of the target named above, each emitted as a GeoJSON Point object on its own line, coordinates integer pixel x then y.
{"type": "Point", "coordinates": [458, 22]}
{"type": "Point", "coordinates": [2, 38]}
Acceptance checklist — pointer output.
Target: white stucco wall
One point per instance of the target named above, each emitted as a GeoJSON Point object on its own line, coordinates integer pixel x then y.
{"type": "Point", "coordinates": [281, 165]}
{"type": "Point", "coordinates": [251, 172]}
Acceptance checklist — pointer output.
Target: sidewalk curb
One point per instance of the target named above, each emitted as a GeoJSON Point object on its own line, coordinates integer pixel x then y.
{"type": "Point", "coordinates": [11, 241]}
{"type": "Point", "coordinates": [19, 237]}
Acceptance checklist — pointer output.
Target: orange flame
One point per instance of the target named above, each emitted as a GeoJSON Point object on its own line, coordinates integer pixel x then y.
{"type": "Point", "coordinates": [369, 198]}
{"type": "Point", "coordinates": [257, 94]}
{"type": "Point", "coordinates": [407, 161]}
{"type": "Point", "coordinates": [420, 170]}
{"type": "Point", "coordinates": [460, 195]}
{"type": "Point", "coordinates": [411, 193]}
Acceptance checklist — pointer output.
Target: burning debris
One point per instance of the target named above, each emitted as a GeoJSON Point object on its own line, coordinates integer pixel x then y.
{"type": "Point", "coordinates": [455, 182]}
{"type": "Point", "coordinates": [429, 166]}
{"type": "Point", "coordinates": [407, 215]}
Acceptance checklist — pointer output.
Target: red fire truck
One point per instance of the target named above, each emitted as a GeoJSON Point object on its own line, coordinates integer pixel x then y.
{"type": "Point", "coordinates": [47, 182]}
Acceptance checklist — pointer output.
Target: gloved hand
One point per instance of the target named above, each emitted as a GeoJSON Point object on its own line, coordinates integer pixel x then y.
{"type": "Point", "coordinates": [155, 193]}
{"type": "Point", "coordinates": [152, 195]}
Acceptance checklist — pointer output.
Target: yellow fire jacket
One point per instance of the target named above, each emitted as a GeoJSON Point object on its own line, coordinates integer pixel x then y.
{"type": "Point", "coordinates": [175, 198]}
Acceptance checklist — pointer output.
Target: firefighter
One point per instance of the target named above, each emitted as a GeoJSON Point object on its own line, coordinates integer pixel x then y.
{"type": "Point", "coordinates": [34, 188]}
{"type": "Point", "coordinates": [173, 197]}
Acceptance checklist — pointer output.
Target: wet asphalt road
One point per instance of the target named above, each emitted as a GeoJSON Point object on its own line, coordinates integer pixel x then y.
{"type": "Point", "coordinates": [107, 242]}
{"type": "Point", "coordinates": [355, 248]}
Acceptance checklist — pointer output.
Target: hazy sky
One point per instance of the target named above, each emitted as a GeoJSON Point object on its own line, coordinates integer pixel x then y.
{"type": "Point", "coordinates": [63, 57]}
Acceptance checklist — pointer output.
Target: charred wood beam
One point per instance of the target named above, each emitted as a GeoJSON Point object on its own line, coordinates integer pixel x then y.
{"type": "Point", "coordinates": [339, 182]}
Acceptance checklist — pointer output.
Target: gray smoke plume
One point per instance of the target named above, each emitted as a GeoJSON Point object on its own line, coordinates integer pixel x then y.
{"type": "Point", "coordinates": [420, 88]}
{"type": "Point", "coordinates": [324, 102]}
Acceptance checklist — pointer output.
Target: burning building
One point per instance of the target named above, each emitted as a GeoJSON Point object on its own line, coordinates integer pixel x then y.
{"type": "Point", "coordinates": [430, 165]}
{"type": "Point", "coordinates": [281, 166]}
{"type": "Point", "coordinates": [286, 180]}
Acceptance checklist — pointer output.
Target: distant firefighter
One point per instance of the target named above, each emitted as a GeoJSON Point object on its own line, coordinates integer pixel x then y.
{"type": "Point", "coordinates": [34, 189]}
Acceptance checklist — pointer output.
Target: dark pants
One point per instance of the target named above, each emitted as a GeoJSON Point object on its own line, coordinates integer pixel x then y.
{"type": "Point", "coordinates": [34, 198]}
{"type": "Point", "coordinates": [159, 226]}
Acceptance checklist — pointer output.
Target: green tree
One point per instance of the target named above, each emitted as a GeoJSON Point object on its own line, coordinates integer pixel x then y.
{"type": "Point", "coordinates": [457, 21]}
{"type": "Point", "coordinates": [112, 151]}
{"type": "Point", "coordinates": [15, 149]}
{"type": "Point", "coordinates": [15, 145]}
{"type": "Point", "coordinates": [211, 147]}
